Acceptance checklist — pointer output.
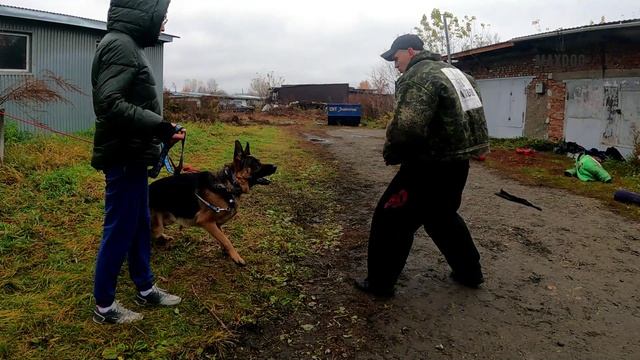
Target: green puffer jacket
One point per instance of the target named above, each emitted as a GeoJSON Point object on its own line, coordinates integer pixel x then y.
{"type": "Point", "coordinates": [588, 169]}
{"type": "Point", "coordinates": [125, 99]}
{"type": "Point", "coordinates": [435, 120]}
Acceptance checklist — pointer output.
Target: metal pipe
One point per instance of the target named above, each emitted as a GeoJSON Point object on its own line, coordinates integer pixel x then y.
{"type": "Point", "coordinates": [446, 35]}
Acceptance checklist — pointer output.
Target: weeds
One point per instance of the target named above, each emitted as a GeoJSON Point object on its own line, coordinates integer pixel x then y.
{"type": "Point", "coordinates": [13, 135]}
{"type": "Point", "coordinates": [522, 142]}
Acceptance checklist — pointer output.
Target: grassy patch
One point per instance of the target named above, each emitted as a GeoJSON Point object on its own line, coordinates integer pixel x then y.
{"type": "Point", "coordinates": [377, 123]}
{"type": "Point", "coordinates": [547, 169]}
{"type": "Point", "coordinates": [51, 207]}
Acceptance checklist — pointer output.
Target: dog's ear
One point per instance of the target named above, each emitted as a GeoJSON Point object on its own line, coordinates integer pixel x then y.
{"type": "Point", "coordinates": [247, 151]}
{"type": "Point", "coordinates": [237, 153]}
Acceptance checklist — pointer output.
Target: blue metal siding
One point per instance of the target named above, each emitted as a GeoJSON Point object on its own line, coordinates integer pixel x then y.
{"type": "Point", "coordinates": [67, 52]}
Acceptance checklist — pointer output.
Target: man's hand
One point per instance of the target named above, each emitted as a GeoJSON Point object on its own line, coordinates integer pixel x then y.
{"type": "Point", "coordinates": [179, 136]}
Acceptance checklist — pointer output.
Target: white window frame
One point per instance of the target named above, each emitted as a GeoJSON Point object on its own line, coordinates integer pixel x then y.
{"type": "Point", "coordinates": [28, 57]}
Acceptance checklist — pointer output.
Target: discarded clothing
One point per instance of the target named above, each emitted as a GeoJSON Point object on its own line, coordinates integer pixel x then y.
{"type": "Point", "coordinates": [588, 169]}
{"type": "Point", "coordinates": [610, 154]}
{"type": "Point", "coordinates": [569, 148]}
{"type": "Point", "coordinates": [627, 197]}
{"type": "Point", "coordinates": [505, 195]}
{"type": "Point", "coordinates": [525, 151]}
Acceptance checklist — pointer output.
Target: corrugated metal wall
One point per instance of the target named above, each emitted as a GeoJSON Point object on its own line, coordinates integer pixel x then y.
{"type": "Point", "coordinates": [67, 52]}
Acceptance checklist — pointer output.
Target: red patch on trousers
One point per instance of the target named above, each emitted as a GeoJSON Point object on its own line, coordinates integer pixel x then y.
{"type": "Point", "coordinates": [397, 200]}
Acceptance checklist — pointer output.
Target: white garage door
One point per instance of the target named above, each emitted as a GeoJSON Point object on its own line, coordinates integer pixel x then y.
{"type": "Point", "coordinates": [505, 105]}
{"type": "Point", "coordinates": [603, 112]}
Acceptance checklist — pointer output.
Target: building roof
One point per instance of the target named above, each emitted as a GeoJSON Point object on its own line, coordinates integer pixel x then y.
{"type": "Point", "coordinates": [623, 24]}
{"type": "Point", "coordinates": [222, 96]}
{"type": "Point", "coordinates": [50, 17]}
{"type": "Point", "coordinates": [580, 29]}
{"type": "Point", "coordinates": [295, 85]}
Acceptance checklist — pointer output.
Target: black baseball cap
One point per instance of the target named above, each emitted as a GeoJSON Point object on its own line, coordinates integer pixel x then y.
{"type": "Point", "coordinates": [403, 42]}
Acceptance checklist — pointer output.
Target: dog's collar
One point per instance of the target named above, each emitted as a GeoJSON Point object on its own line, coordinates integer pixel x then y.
{"type": "Point", "coordinates": [231, 176]}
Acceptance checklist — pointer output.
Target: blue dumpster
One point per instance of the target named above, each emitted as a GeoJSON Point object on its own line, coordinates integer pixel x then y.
{"type": "Point", "coordinates": [344, 114]}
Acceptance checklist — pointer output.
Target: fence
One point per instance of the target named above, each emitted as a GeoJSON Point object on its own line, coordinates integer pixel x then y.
{"type": "Point", "coordinates": [1, 136]}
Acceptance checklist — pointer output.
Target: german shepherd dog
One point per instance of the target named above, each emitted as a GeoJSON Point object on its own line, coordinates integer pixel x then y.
{"type": "Point", "coordinates": [206, 199]}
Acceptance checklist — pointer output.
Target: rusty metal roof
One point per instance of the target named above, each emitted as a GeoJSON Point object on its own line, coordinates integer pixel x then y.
{"type": "Point", "coordinates": [595, 27]}
{"type": "Point", "coordinates": [631, 23]}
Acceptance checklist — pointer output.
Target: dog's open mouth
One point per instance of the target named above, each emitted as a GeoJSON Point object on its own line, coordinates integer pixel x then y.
{"type": "Point", "coordinates": [263, 181]}
{"type": "Point", "coordinates": [260, 177]}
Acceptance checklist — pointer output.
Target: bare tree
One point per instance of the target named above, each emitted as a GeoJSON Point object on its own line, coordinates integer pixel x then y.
{"type": "Point", "coordinates": [364, 85]}
{"type": "Point", "coordinates": [32, 90]}
{"type": "Point", "coordinates": [383, 78]}
{"type": "Point", "coordinates": [212, 86]}
{"type": "Point", "coordinates": [464, 33]}
{"type": "Point", "coordinates": [190, 85]}
{"type": "Point", "coordinates": [262, 83]}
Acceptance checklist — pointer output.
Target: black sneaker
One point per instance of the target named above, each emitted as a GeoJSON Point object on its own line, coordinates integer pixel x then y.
{"type": "Point", "coordinates": [157, 296]}
{"type": "Point", "coordinates": [118, 315]}
{"type": "Point", "coordinates": [466, 280]}
{"type": "Point", "coordinates": [363, 285]}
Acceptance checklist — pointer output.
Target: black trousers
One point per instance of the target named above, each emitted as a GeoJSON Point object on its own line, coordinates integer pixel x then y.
{"type": "Point", "coordinates": [429, 195]}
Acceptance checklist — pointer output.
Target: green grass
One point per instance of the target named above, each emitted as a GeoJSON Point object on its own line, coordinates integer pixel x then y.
{"type": "Point", "coordinates": [51, 208]}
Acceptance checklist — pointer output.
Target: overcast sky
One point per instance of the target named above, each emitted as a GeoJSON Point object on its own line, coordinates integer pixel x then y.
{"type": "Point", "coordinates": [333, 41]}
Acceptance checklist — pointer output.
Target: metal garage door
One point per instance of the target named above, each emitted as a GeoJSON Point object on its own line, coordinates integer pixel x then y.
{"type": "Point", "coordinates": [603, 112]}
{"type": "Point", "coordinates": [505, 105]}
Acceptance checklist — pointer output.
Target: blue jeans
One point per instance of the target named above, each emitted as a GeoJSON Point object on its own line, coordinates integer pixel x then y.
{"type": "Point", "coordinates": [127, 232]}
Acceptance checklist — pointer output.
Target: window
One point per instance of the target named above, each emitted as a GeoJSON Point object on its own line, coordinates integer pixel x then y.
{"type": "Point", "coordinates": [14, 52]}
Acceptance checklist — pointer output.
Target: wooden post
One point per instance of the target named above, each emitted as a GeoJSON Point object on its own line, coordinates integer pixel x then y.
{"type": "Point", "coordinates": [1, 136]}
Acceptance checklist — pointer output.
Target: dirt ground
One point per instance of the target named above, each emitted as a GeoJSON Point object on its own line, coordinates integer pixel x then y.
{"type": "Point", "coordinates": [563, 283]}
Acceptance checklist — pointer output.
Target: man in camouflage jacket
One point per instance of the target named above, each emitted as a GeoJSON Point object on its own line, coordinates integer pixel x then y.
{"type": "Point", "coordinates": [438, 125]}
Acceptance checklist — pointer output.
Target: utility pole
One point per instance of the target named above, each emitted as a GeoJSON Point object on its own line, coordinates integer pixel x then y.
{"type": "Point", "coordinates": [446, 36]}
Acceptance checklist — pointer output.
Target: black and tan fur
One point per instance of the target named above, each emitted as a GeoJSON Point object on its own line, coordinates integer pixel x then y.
{"type": "Point", "coordinates": [173, 199]}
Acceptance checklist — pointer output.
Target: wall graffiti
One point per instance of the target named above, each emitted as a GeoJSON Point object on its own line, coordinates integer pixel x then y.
{"type": "Point", "coordinates": [612, 114]}
{"type": "Point", "coordinates": [603, 112]}
{"type": "Point", "coordinates": [562, 60]}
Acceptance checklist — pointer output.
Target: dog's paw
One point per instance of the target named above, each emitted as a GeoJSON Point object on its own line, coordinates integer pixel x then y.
{"type": "Point", "coordinates": [238, 260]}
{"type": "Point", "coordinates": [164, 239]}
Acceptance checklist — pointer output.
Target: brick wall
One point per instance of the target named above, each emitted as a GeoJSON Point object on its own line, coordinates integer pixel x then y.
{"type": "Point", "coordinates": [556, 95]}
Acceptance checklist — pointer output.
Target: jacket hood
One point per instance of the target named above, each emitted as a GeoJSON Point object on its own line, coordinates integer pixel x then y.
{"type": "Point", "coordinates": [424, 55]}
{"type": "Point", "coordinates": [140, 19]}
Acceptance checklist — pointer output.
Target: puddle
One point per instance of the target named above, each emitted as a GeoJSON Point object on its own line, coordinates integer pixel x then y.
{"type": "Point", "coordinates": [316, 139]}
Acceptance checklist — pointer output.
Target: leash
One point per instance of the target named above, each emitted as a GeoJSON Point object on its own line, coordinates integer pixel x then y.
{"type": "Point", "coordinates": [214, 208]}
{"type": "Point", "coordinates": [168, 162]}
{"type": "Point", "coordinates": [165, 159]}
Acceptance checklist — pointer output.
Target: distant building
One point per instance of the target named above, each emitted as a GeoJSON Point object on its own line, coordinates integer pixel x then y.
{"type": "Point", "coordinates": [33, 41]}
{"type": "Point", "coordinates": [224, 100]}
{"type": "Point", "coordinates": [310, 93]}
{"type": "Point", "coordinates": [580, 84]}
{"type": "Point", "coordinates": [318, 95]}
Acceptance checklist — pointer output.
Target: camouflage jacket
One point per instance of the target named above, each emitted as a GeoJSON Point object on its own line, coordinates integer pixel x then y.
{"type": "Point", "coordinates": [438, 115]}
